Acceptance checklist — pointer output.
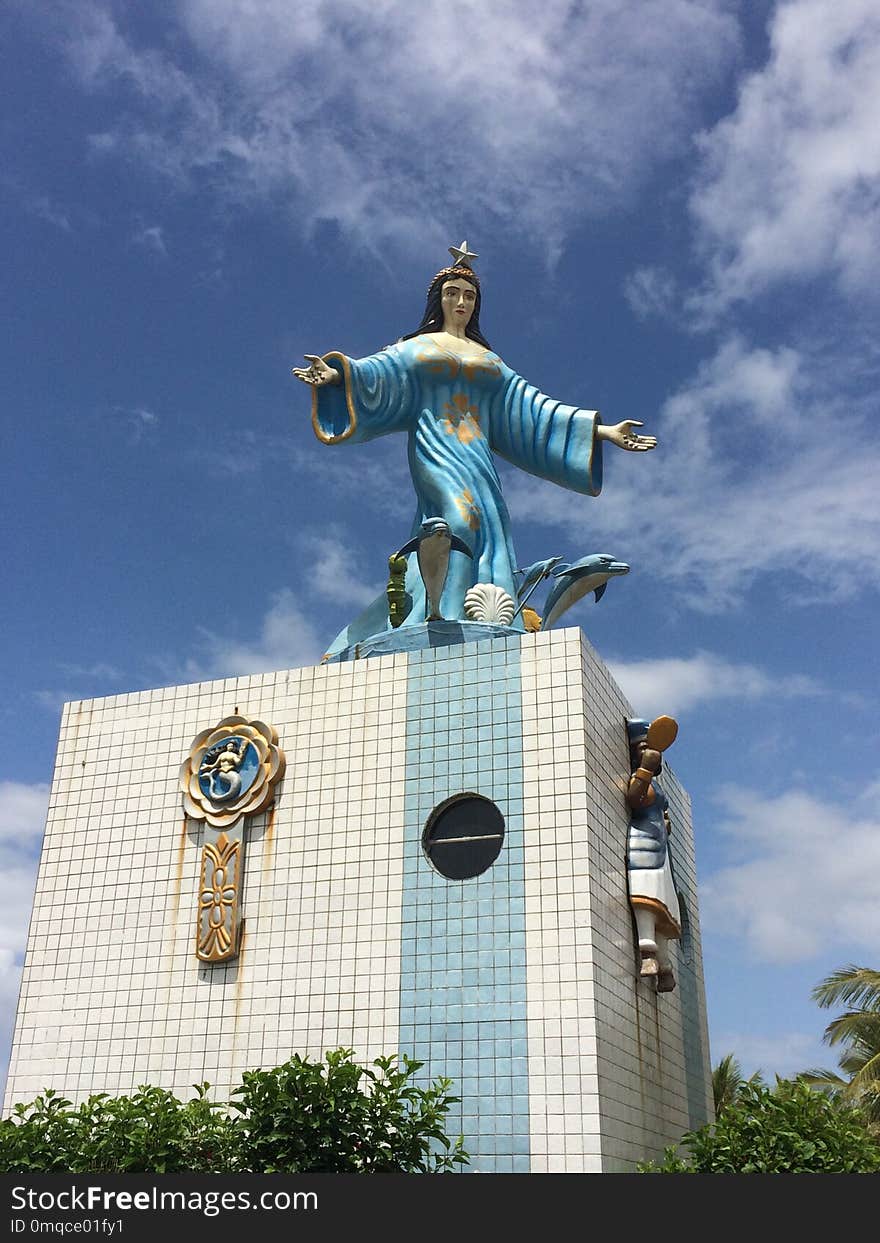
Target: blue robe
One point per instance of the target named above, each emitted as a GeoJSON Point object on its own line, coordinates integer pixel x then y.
{"type": "Point", "coordinates": [455, 412]}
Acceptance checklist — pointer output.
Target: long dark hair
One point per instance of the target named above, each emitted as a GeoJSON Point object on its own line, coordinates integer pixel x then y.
{"type": "Point", "coordinates": [432, 320]}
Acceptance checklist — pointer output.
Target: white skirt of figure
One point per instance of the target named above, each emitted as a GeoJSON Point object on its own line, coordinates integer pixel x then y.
{"type": "Point", "coordinates": [654, 890]}
{"type": "Point", "coordinates": [655, 905]}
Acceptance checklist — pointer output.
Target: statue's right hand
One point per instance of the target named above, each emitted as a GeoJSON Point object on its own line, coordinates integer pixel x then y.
{"type": "Point", "coordinates": [317, 373]}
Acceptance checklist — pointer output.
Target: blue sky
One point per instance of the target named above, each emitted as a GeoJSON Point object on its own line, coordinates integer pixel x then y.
{"type": "Point", "coordinates": [677, 211]}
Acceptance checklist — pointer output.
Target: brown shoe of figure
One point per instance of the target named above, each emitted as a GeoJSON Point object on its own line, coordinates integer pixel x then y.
{"type": "Point", "coordinates": [665, 982]}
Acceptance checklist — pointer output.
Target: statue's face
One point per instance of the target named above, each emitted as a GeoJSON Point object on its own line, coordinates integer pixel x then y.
{"type": "Point", "coordinates": [457, 300]}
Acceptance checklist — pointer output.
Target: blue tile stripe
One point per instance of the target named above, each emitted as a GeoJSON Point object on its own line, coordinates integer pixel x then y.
{"type": "Point", "coordinates": [463, 943]}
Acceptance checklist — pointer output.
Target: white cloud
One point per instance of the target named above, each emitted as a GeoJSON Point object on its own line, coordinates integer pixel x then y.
{"type": "Point", "coordinates": [870, 794]}
{"type": "Point", "coordinates": [652, 291]}
{"type": "Point", "coordinates": [541, 116]}
{"type": "Point", "coordinates": [286, 638]}
{"type": "Point", "coordinates": [22, 814]}
{"type": "Point", "coordinates": [790, 180]}
{"type": "Point", "coordinates": [762, 472]}
{"type": "Point", "coordinates": [52, 700]}
{"type": "Point", "coordinates": [100, 669]}
{"type": "Point", "coordinates": [674, 686]}
{"type": "Point", "coordinates": [333, 570]}
{"type": "Point", "coordinates": [288, 634]}
{"type": "Point", "coordinates": [43, 207]}
{"type": "Point", "coordinates": [22, 820]}
{"type": "Point", "coordinates": [765, 384]}
{"type": "Point", "coordinates": [151, 237]}
{"type": "Point", "coordinates": [83, 678]}
{"type": "Point", "coordinates": [138, 421]}
{"type": "Point", "coordinates": [802, 877]}
{"type": "Point", "coordinates": [785, 1054]}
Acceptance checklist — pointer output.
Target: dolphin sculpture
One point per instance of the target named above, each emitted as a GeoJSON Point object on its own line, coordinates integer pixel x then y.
{"type": "Point", "coordinates": [432, 546]}
{"type": "Point", "coordinates": [574, 581]}
{"type": "Point", "coordinates": [532, 575]}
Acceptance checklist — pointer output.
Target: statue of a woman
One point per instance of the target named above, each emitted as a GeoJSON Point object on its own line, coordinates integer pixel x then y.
{"type": "Point", "coordinates": [457, 401]}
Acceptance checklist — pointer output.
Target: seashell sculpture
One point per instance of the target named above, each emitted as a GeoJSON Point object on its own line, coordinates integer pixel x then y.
{"type": "Point", "coordinates": [487, 603]}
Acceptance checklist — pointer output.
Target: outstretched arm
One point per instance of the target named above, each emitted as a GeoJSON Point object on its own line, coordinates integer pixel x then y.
{"type": "Point", "coordinates": [555, 441]}
{"type": "Point", "coordinates": [359, 398]}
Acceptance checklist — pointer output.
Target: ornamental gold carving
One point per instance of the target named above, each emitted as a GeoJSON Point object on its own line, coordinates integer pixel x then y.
{"type": "Point", "coordinates": [217, 936]}
{"type": "Point", "coordinates": [231, 772]}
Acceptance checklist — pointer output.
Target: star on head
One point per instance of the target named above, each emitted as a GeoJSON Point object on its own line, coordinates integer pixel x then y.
{"type": "Point", "coordinates": [461, 255]}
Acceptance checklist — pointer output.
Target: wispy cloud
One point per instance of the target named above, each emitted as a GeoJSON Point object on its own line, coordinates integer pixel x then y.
{"type": "Point", "coordinates": [563, 111]}
{"type": "Point", "coordinates": [802, 877]}
{"type": "Point", "coordinates": [43, 207]}
{"type": "Point", "coordinates": [22, 820]}
{"type": "Point", "coordinates": [82, 684]}
{"type": "Point", "coordinates": [289, 634]}
{"type": "Point", "coordinates": [100, 670]}
{"type": "Point", "coordinates": [22, 814]}
{"type": "Point", "coordinates": [138, 421]}
{"type": "Point", "coordinates": [52, 700]}
{"type": "Point", "coordinates": [652, 291]}
{"type": "Point", "coordinates": [152, 238]}
{"type": "Point", "coordinates": [285, 638]}
{"type": "Point", "coordinates": [335, 570]}
{"type": "Point", "coordinates": [785, 1054]}
{"type": "Point", "coordinates": [745, 486]}
{"type": "Point", "coordinates": [789, 184]}
{"type": "Point", "coordinates": [676, 685]}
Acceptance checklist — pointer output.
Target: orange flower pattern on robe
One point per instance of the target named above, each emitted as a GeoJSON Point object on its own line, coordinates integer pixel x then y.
{"type": "Point", "coordinates": [467, 507]}
{"type": "Point", "coordinates": [461, 418]}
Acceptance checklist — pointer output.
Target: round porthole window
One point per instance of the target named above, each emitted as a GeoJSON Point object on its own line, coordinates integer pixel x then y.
{"type": "Point", "coordinates": [463, 836]}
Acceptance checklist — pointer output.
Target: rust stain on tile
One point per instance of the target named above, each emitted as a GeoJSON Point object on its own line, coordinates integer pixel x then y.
{"type": "Point", "coordinates": [178, 873]}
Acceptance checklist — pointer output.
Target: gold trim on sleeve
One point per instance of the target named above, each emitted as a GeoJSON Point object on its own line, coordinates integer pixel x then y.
{"type": "Point", "coordinates": [323, 436]}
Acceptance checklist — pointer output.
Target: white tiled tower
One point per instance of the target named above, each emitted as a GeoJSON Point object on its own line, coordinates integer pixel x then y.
{"type": "Point", "coordinates": [520, 984]}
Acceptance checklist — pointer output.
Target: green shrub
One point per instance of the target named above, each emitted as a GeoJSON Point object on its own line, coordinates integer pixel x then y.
{"type": "Point", "coordinates": [786, 1129]}
{"type": "Point", "coordinates": [338, 1117]}
{"type": "Point", "coordinates": [305, 1116]}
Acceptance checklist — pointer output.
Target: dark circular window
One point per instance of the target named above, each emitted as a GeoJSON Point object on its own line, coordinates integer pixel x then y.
{"type": "Point", "coordinates": [463, 836]}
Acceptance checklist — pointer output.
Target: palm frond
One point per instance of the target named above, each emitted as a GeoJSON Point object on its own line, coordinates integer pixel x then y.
{"type": "Point", "coordinates": [856, 1026]}
{"type": "Point", "coordinates": [867, 1077]}
{"type": "Point", "coordinates": [850, 986]}
{"type": "Point", "coordinates": [726, 1082]}
{"type": "Point", "coordinates": [858, 1032]}
{"type": "Point", "coordinates": [827, 1080]}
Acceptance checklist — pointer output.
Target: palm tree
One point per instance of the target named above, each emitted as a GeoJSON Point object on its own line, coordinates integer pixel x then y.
{"type": "Point", "coordinates": [858, 1031]}
{"type": "Point", "coordinates": [726, 1083]}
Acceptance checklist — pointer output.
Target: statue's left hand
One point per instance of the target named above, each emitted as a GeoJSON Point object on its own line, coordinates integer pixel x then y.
{"type": "Point", "coordinates": [622, 435]}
